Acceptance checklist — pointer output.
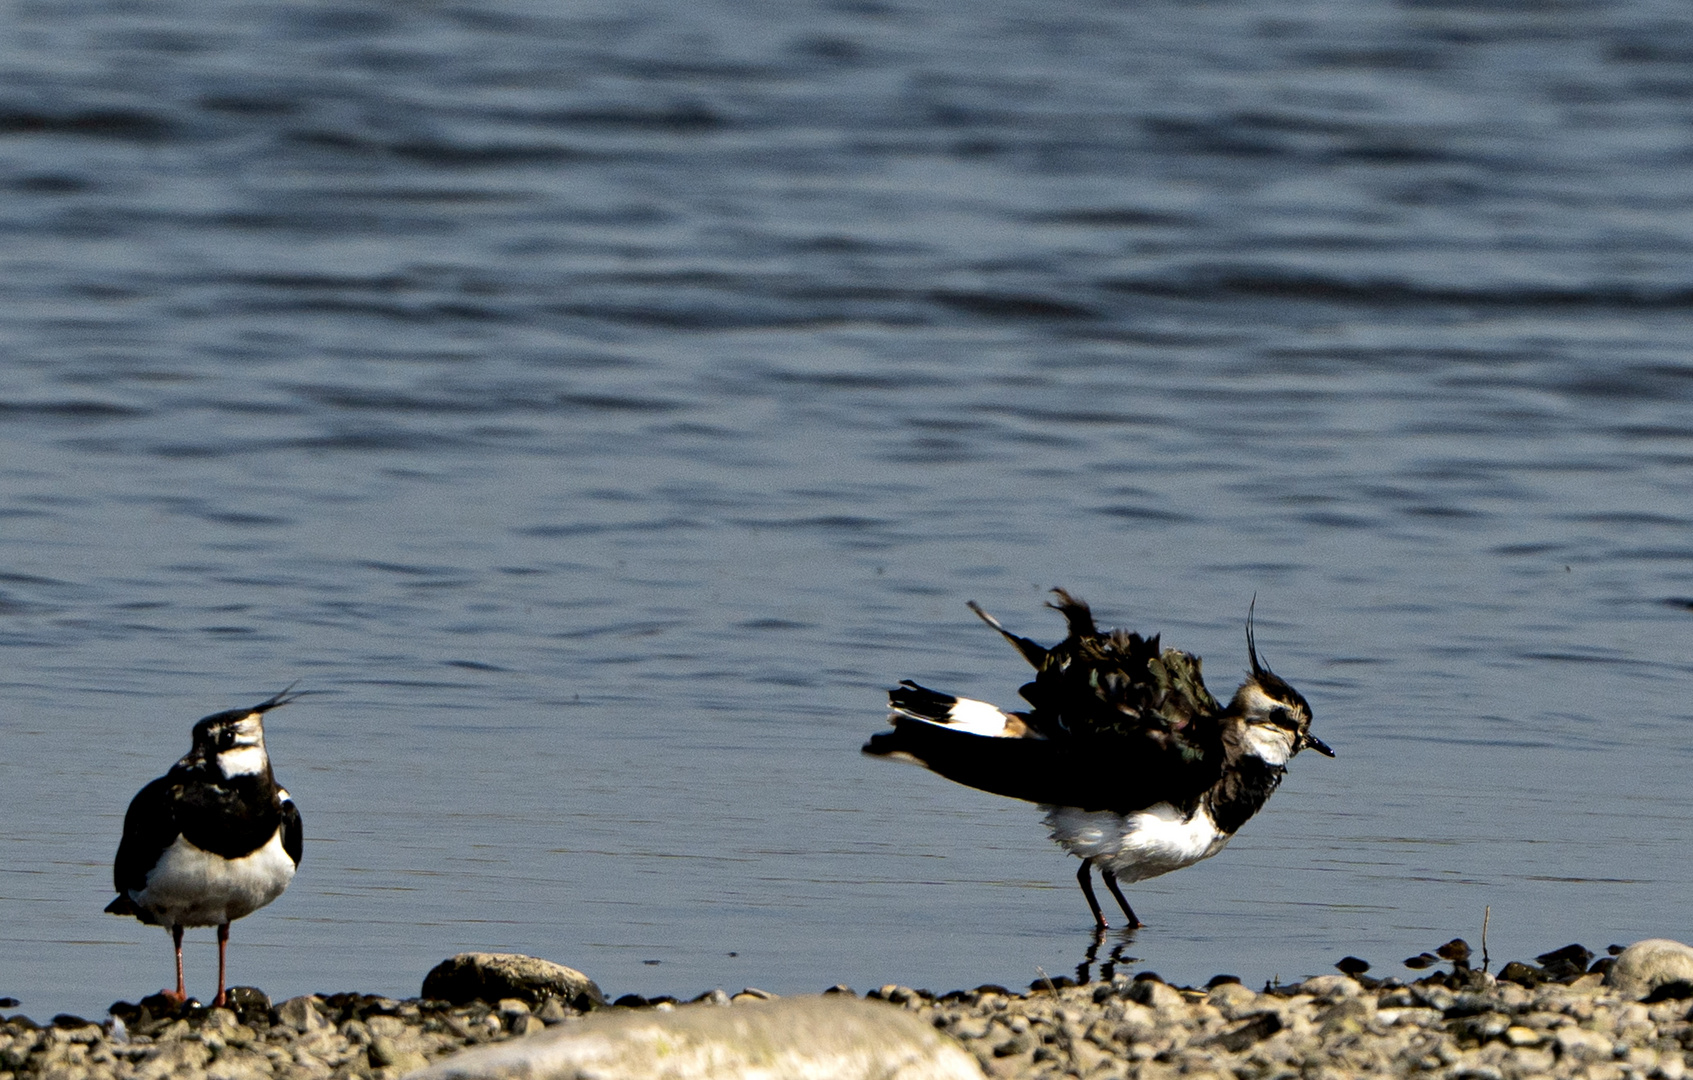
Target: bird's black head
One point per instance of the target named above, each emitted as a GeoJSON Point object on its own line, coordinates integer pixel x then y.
{"type": "Point", "coordinates": [235, 740]}
{"type": "Point", "coordinates": [1278, 718]}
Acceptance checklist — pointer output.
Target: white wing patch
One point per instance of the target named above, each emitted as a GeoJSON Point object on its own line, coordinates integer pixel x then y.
{"type": "Point", "coordinates": [976, 717]}
{"type": "Point", "coordinates": [972, 716]}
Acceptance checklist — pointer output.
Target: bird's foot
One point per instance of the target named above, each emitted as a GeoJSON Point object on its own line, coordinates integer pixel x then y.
{"type": "Point", "coordinates": [168, 1003]}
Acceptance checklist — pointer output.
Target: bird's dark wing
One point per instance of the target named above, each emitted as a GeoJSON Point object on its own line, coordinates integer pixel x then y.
{"type": "Point", "coordinates": [148, 829]}
{"type": "Point", "coordinates": [1117, 724]}
{"type": "Point", "coordinates": [1035, 654]}
{"type": "Point", "coordinates": [1119, 683]}
{"type": "Point", "coordinates": [293, 831]}
{"type": "Point", "coordinates": [1097, 771]}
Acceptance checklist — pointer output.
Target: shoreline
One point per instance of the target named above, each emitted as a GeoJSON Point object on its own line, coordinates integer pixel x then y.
{"type": "Point", "coordinates": [1563, 1016]}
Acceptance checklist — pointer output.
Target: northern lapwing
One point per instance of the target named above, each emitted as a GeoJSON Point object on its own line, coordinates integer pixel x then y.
{"type": "Point", "coordinates": [1139, 769]}
{"type": "Point", "coordinates": [212, 840]}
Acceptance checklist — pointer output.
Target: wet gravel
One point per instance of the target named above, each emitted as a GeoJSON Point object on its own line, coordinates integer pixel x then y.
{"type": "Point", "coordinates": [1553, 1019]}
{"type": "Point", "coordinates": [1467, 1026]}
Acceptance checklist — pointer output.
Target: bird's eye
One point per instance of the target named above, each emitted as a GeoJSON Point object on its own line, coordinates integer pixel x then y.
{"type": "Point", "coordinates": [226, 739]}
{"type": "Point", "coordinates": [1280, 717]}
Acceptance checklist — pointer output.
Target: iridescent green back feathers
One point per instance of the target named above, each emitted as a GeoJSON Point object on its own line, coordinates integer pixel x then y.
{"type": "Point", "coordinates": [1115, 685]}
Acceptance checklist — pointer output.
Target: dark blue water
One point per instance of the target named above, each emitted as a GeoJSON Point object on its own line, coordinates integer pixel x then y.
{"type": "Point", "coordinates": [598, 408]}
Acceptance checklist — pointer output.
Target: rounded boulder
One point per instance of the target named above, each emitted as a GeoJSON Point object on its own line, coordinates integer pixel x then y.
{"type": "Point", "coordinates": [1646, 965]}
{"type": "Point", "coordinates": [797, 1038]}
{"type": "Point", "coordinates": [493, 977]}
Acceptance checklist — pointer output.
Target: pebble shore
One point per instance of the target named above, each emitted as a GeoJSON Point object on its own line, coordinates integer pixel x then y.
{"type": "Point", "coordinates": [1557, 1021]}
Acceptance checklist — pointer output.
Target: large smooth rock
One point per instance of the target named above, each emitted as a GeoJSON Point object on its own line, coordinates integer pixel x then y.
{"type": "Point", "coordinates": [797, 1038]}
{"type": "Point", "coordinates": [493, 977]}
{"type": "Point", "coordinates": [1646, 965]}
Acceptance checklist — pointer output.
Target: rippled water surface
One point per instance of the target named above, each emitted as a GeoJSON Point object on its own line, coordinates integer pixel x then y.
{"type": "Point", "coordinates": [598, 407]}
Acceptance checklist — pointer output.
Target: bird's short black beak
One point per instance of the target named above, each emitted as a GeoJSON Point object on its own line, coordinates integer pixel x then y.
{"type": "Point", "coordinates": [1311, 742]}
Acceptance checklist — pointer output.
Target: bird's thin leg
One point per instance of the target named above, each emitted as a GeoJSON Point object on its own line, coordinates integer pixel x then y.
{"type": "Point", "coordinates": [223, 951]}
{"type": "Point", "coordinates": [1111, 883]}
{"type": "Point", "coordinates": [1085, 879]}
{"type": "Point", "coordinates": [181, 994]}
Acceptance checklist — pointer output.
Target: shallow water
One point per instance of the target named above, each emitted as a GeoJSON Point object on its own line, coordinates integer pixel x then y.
{"type": "Point", "coordinates": [597, 411]}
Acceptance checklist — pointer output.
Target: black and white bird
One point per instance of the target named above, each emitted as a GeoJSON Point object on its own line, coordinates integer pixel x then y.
{"type": "Point", "coordinates": [213, 839]}
{"type": "Point", "coordinates": [1139, 769]}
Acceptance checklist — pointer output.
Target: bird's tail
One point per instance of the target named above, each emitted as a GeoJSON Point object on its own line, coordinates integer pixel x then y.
{"type": "Point", "coordinates": [964, 715]}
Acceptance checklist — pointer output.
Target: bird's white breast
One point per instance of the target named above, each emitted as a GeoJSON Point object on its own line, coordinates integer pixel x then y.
{"type": "Point", "coordinates": [192, 887]}
{"type": "Point", "coordinates": [1140, 845]}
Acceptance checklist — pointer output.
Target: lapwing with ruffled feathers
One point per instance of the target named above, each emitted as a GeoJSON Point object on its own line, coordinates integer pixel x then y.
{"type": "Point", "coordinates": [214, 839]}
{"type": "Point", "coordinates": [1139, 769]}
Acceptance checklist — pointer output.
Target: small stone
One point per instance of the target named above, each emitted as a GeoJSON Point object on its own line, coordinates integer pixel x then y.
{"type": "Point", "coordinates": [1582, 1044]}
{"type": "Point", "coordinates": [1435, 997]}
{"type": "Point", "coordinates": [1678, 990]}
{"type": "Point", "coordinates": [1532, 1061]}
{"type": "Point", "coordinates": [1351, 1016]}
{"type": "Point", "coordinates": [303, 1014]}
{"type": "Point", "coordinates": [1577, 954]}
{"type": "Point", "coordinates": [246, 1002]}
{"type": "Point", "coordinates": [1233, 1000]}
{"type": "Point", "coordinates": [1522, 974]}
{"type": "Point", "coordinates": [385, 1052]}
{"type": "Point", "coordinates": [1087, 1057]}
{"type": "Point", "coordinates": [1517, 1035]}
{"type": "Point", "coordinates": [527, 1024]}
{"type": "Point", "coordinates": [390, 1026]}
{"type": "Point", "coordinates": [1155, 994]}
{"type": "Point", "coordinates": [179, 1057]}
{"type": "Point", "coordinates": [1330, 986]}
{"type": "Point", "coordinates": [1249, 1032]}
{"type": "Point", "coordinates": [1017, 1044]}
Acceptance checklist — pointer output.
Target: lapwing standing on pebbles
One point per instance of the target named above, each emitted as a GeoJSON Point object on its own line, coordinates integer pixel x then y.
{"type": "Point", "coordinates": [213, 839]}
{"type": "Point", "coordinates": [1139, 769]}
